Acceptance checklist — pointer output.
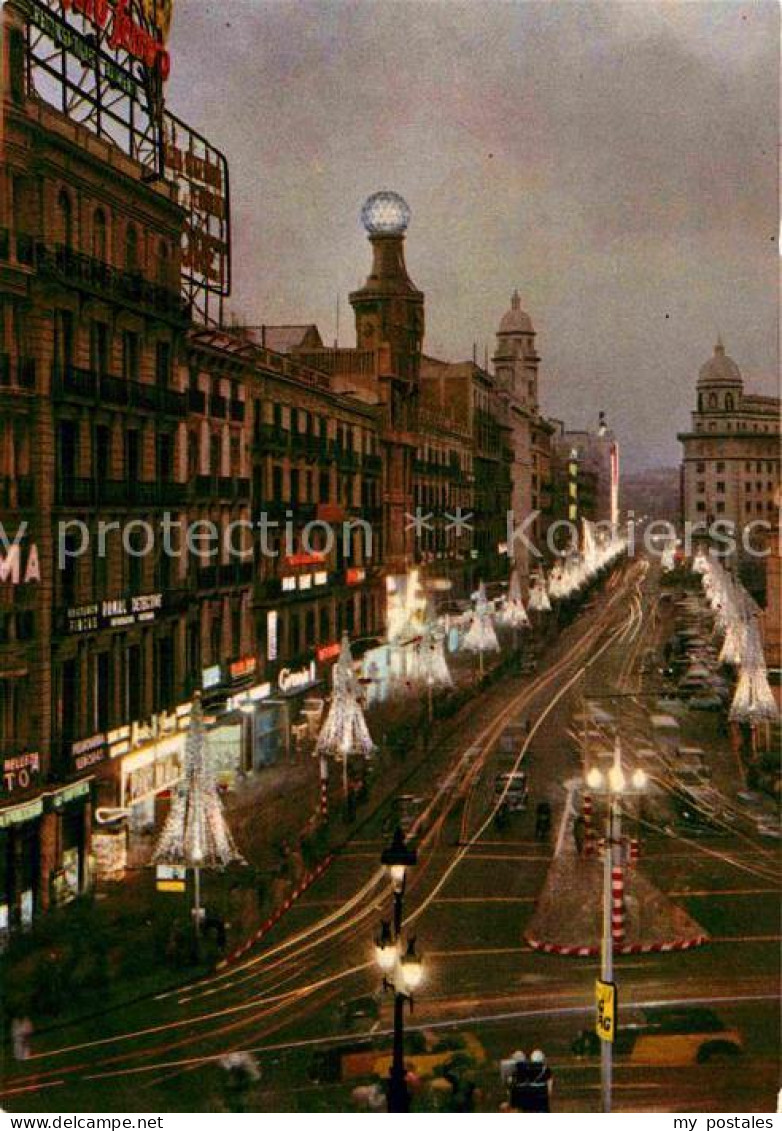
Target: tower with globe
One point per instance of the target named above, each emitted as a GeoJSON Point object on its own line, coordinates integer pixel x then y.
{"type": "Point", "coordinates": [389, 308]}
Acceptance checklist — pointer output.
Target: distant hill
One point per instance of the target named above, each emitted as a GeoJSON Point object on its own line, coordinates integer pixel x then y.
{"type": "Point", "coordinates": [654, 492]}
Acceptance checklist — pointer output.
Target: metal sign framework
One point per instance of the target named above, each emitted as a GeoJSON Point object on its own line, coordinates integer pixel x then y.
{"type": "Point", "coordinates": [70, 66]}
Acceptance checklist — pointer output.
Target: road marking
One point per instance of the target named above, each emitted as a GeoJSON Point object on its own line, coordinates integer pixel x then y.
{"type": "Point", "coordinates": [486, 899]}
{"type": "Point", "coordinates": [723, 891]}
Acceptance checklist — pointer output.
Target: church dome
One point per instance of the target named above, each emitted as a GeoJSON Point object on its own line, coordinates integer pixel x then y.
{"type": "Point", "coordinates": [719, 369]}
{"type": "Point", "coordinates": [516, 320]}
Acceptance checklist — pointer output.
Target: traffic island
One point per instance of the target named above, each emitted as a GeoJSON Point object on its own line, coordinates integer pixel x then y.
{"type": "Point", "coordinates": [568, 917]}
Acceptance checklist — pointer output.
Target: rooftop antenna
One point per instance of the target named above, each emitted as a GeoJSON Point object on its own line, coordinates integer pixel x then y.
{"type": "Point", "coordinates": [336, 339]}
{"type": "Point", "coordinates": [475, 353]}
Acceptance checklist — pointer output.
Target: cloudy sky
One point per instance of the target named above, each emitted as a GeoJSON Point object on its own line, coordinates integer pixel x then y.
{"type": "Point", "coordinates": [614, 161]}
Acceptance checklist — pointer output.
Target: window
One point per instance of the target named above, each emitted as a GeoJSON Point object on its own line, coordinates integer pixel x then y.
{"type": "Point", "coordinates": [720, 508]}
{"type": "Point", "coordinates": [712, 400]}
{"type": "Point", "coordinates": [700, 506]}
{"type": "Point", "coordinates": [131, 248]}
{"type": "Point", "coordinates": [64, 339]}
{"type": "Point", "coordinates": [163, 364]}
{"type": "Point", "coordinates": [720, 466]}
{"type": "Point", "coordinates": [130, 355]}
{"type": "Point", "coordinates": [102, 716]}
{"type": "Point", "coordinates": [192, 454]}
{"type": "Point", "coordinates": [729, 402]}
{"type": "Point", "coordinates": [700, 468]}
{"type": "Point", "coordinates": [720, 487]}
{"type": "Point", "coordinates": [99, 242]}
{"type": "Point", "coordinates": [700, 487]}
{"type": "Point", "coordinates": [99, 347]}
{"type": "Point", "coordinates": [323, 486]}
{"type": "Point", "coordinates": [163, 271]}
{"type": "Point", "coordinates": [215, 454]}
{"type": "Point", "coordinates": [65, 218]}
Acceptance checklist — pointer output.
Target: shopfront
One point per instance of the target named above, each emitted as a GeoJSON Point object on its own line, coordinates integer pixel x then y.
{"type": "Point", "coordinates": [19, 864]}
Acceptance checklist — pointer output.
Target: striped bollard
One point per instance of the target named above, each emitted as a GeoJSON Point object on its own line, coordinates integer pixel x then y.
{"type": "Point", "coordinates": [589, 832]}
{"type": "Point", "coordinates": [633, 851]}
{"type": "Point", "coordinates": [324, 787]}
{"type": "Point", "coordinates": [617, 906]}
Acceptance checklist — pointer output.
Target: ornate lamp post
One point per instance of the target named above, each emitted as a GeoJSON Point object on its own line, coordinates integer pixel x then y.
{"type": "Point", "coordinates": [613, 785]}
{"type": "Point", "coordinates": [401, 967]}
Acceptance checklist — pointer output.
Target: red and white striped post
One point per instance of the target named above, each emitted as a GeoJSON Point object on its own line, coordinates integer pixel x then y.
{"type": "Point", "coordinates": [617, 905]}
{"type": "Point", "coordinates": [324, 786]}
{"type": "Point", "coordinates": [589, 830]}
{"type": "Point", "coordinates": [633, 851]}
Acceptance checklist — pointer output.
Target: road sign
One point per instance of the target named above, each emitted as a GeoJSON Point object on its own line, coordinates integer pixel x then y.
{"type": "Point", "coordinates": [171, 877]}
{"type": "Point", "coordinates": [605, 1020]}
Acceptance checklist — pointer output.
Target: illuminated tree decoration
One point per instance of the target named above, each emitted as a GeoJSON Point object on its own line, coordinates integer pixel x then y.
{"type": "Point", "coordinates": [196, 833]}
{"type": "Point", "coordinates": [432, 667]}
{"type": "Point", "coordinates": [481, 636]}
{"type": "Point", "coordinates": [538, 597]}
{"type": "Point", "coordinates": [344, 731]}
{"type": "Point", "coordinates": [753, 700]}
{"type": "Point", "coordinates": [513, 613]}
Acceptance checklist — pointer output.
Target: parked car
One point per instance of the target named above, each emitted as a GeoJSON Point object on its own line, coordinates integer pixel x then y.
{"type": "Point", "coordinates": [672, 1036]}
{"type": "Point", "coordinates": [514, 786]}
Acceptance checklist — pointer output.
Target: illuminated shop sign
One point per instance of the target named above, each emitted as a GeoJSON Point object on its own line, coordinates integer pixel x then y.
{"type": "Point", "coordinates": [18, 567]}
{"type": "Point", "coordinates": [253, 695]}
{"type": "Point", "coordinates": [239, 669]}
{"type": "Point", "coordinates": [271, 634]}
{"type": "Point", "coordinates": [304, 559]}
{"type": "Point", "coordinates": [118, 612]}
{"type": "Point", "coordinates": [291, 680]}
{"type": "Point", "coordinates": [355, 576]}
{"type": "Point", "coordinates": [321, 577]}
{"type": "Point", "coordinates": [328, 651]}
{"type": "Point", "coordinates": [211, 677]}
{"type": "Point", "coordinates": [303, 581]}
{"type": "Point", "coordinates": [21, 771]}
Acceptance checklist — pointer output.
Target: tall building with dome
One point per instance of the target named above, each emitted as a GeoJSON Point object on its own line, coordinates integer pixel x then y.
{"type": "Point", "coordinates": [516, 364]}
{"type": "Point", "coordinates": [731, 460]}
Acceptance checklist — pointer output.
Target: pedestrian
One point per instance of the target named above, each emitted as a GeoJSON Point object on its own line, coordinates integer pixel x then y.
{"type": "Point", "coordinates": [542, 820]}
{"type": "Point", "coordinates": [579, 833]}
{"type": "Point", "coordinates": [539, 1083]}
{"type": "Point", "coordinates": [21, 1032]}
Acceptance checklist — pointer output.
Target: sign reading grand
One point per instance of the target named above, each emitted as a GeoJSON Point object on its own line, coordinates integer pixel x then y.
{"type": "Point", "coordinates": [123, 32]}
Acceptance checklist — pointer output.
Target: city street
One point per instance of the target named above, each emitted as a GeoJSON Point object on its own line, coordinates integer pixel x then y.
{"type": "Point", "coordinates": [469, 902]}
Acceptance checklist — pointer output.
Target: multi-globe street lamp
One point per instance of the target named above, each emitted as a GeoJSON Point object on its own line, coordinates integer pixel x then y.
{"type": "Point", "coordinates": [401, 967]}
{"type": "Point", "coordinates": [613, 785]}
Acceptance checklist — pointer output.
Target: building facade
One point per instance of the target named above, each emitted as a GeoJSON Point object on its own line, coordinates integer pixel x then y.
{"type": "Point", "coordinates": [731, 460]}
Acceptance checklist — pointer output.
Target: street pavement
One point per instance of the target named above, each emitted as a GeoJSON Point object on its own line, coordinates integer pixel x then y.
{"type": "Point", "coordinates": [469, 902]}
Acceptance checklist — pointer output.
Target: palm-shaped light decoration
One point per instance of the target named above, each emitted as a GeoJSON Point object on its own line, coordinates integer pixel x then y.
{"type": "Point", "coordinates": [196, 834]}
{"type": "Point", "coordinates": [481, 637]}
{"type": "Point", "coordinates": [753, 700]}
{"type": "Point", "coordinates": [538, 597]}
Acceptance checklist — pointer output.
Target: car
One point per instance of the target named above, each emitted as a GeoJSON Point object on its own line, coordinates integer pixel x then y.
{"type": "Point", "coordinates": [673, 1036]}
{"type": "Point", "coordinates": [366, 1008]}
{"type": "Point", "coordinates": [705, 701]}
{"type": "Point", "coordinates": [512, 787]}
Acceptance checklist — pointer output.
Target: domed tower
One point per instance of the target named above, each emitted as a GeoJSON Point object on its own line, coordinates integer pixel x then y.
{"type": "Point", "coordinates": [389, 308]}
{"type": "Point", "coordinates": [720, 384]}
{"type": "Point", "coordinates": [515, 360]}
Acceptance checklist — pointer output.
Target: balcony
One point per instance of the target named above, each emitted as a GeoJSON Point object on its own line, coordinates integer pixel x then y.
{"type": "Point", "coordinates": [75, 269]}
{"type": "Point", "coordinates": [17, 245]}
{"type": "Point", "coordinates": [218, 406]}
{"type": "Point", "coordinates": [347, 459]}
{"type": "Point", "coordinates": [76, 492]}
{"type": "Point", "coordinates": [16, 491]}
{"type": "Point", "coordinates": [72, 380]}
{"type": "Point", "coordinates": [272, 439]}
{"type": "Point", "coordinates": [373, 464]}
{"type": "Point", "coordinates": [196, 401]}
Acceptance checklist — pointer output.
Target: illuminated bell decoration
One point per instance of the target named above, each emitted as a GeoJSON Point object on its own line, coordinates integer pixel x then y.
{"type": "Point", "coordinates": [344, 731]}
{"type": "Point", "coordinates": [481, 636]}
{"type": "Point", "coordinates": [412, 968]}
{"type": "Point", "coordinates": [385, 213]}
{"type": "Point", "coordinates": [385, 950]}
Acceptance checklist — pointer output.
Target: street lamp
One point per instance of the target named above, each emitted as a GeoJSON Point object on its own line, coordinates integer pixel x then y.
{"type": "Point", "coordinates": [402, 968]}
{"type": "Point", "coordinates": [613, 784]}
{"type": "Point", "coordinates": [397, 858]}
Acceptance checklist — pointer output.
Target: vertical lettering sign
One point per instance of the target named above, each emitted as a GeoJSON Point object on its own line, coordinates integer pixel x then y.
{"type": "Point", "coordinates": [200, 173]}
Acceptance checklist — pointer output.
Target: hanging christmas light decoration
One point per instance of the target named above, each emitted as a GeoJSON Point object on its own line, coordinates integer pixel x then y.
{"type": "Point", "coordinates": [538, 597]}
{"type": "Point", "coordinates": [344, 731]}
{"type": "Point", "coordinates": [432, 667]}
{"type": "Point", "coordinates": [753, 700]}
{"type": "Point", "coordinates": [513, 614]}
{"type": "Point", "coordinates": [196, 833]}
{"type": "Point", "coordinates": [481, 636]}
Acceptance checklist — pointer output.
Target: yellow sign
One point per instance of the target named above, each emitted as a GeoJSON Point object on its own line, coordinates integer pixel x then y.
{"type": "Point", "coordinates": [170, 885]}
{"type": "Point", "coordinates": [605, 1020]}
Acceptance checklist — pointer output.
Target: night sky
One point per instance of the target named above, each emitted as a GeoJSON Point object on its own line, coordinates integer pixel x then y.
{"type": "Point", "coordinates": [616, 162]}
